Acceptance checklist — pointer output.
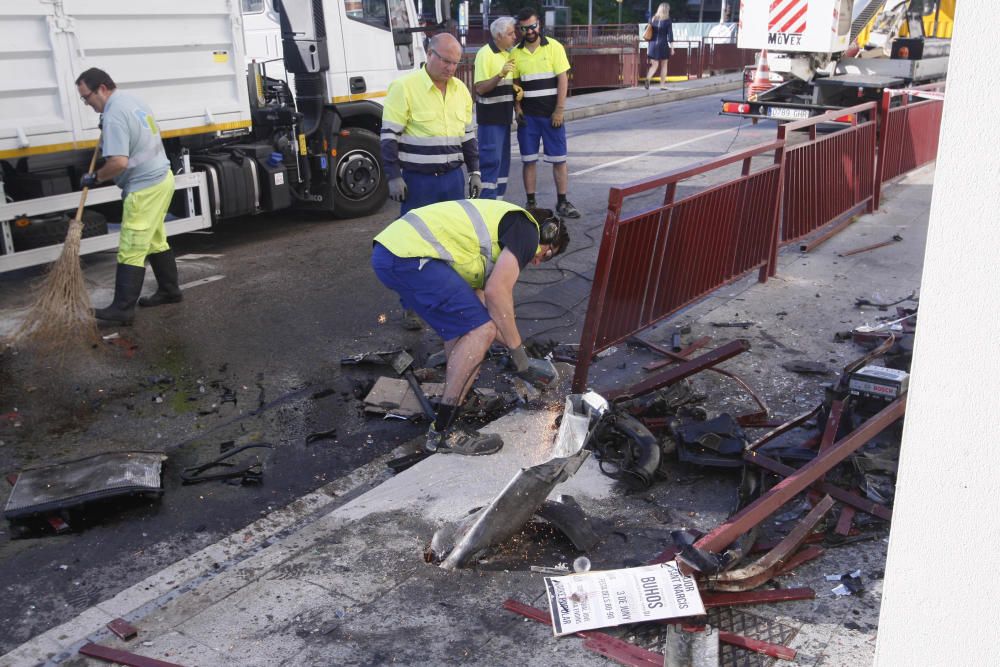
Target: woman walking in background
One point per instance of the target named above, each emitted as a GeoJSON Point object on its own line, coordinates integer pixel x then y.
{"type": "Point", "coordinates": [660, 35]}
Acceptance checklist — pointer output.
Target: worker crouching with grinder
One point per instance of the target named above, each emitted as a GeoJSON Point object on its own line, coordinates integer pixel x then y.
{"type": "Point", "coordinates": [455, 264]}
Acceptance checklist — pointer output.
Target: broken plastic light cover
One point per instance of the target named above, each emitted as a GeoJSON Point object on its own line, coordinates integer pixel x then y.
{"type": "Point", "coordinates": [73, 483]}
{"type": "Point", "coordinates": [524, 495]}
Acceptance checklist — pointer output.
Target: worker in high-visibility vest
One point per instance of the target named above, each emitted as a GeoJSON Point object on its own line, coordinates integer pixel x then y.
{"type": "Point", "coordinates": [541, 67]}
{"type": "Point", "coordinates": [427, 132]}
{"type": "Point", "coordinates": [495, 105]}
{"type": "Point", "coordinates": [455, 264]}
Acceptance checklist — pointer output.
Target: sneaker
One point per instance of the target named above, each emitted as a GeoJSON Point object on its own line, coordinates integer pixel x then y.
{"type": "Point", "coordinates": [458, 440]}
{"type": "Point", "coordinates": [567, 210]}
{"type": "Point", "coordinates": [411, 322]}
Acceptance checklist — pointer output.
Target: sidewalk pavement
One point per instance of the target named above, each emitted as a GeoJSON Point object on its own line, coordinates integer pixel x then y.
{"type": "Point", "coordinates": [620, 99]}
{"type": "Point", "coordinates": [339, 577]}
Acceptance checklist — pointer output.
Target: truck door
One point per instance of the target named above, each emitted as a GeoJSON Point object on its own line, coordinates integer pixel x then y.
{"type": "Point", "coordinates": [377, 46]}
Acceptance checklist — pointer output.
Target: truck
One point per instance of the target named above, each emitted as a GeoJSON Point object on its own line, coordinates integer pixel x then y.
{"type": "Point", "coordinates": [244, 137]}
{"type": "Point", "coordinates": [825, 55]}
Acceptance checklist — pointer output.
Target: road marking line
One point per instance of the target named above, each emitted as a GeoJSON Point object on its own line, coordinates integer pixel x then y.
{"type": "Point", "coordinates": [195, 256]}
{"type": "Point", "coordinates": [655, 150]}
{"type": "Point", "coordinates": [201, 281]}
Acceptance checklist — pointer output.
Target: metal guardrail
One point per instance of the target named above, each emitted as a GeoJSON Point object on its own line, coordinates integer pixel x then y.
{"type": "Point", "coordinates": [830, 178]}
{"type": "Point", "coordinates": [654, 262]}
{"type": "Point", "coordinates": [909, 133]}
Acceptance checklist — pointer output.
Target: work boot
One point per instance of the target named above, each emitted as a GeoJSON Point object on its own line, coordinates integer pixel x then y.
{"type": "Point", "coordinates": [459, 440]}
{"type": "Point", "coordinates": [128, 285]}
{"type": "Point", "coordinates": [567, 210]}
{"type": "Point", "coordinates": [167, 290]}
{"type": "Point", "coordinates": [411, 322]}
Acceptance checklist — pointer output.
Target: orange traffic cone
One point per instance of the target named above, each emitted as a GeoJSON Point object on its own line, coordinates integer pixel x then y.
{"type": "Point", "coordinates": [761, 79]}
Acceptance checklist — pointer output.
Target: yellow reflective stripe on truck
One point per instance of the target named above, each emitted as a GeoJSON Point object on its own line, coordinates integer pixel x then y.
{"type": "Point", "coordinates": [360, 96]}
{"type": "Point", "coordinates": [80, 145]}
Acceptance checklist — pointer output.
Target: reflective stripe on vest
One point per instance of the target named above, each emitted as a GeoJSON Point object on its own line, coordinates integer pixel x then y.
{"type": "Point", "coordinates": [427, 235]}
{"type": "Point", "coordinates": [482, 232]}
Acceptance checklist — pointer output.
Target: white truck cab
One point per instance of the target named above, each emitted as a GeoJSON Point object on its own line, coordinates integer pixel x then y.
{"type": "Point", "coordinates": [299, 128]}
{"type": "Point", "coordinates": [375, 44]}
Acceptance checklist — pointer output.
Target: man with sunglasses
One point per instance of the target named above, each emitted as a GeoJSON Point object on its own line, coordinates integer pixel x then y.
{"type": "Point", "coordinates": [541, 67]}
{"type": "Point", "coordinates": [456, 263]}
{"type": "Point", "coordinates": [495, 105]}
{"type": "Point", "coordinates": [135, 160]}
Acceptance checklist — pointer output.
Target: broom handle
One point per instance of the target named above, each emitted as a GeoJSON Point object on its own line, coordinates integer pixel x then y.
{"type": "Point", "coordinates": [83, 193]}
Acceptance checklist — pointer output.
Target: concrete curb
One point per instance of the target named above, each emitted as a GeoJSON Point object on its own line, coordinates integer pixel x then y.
{"type": "Point", "coordinates": [654, 98]}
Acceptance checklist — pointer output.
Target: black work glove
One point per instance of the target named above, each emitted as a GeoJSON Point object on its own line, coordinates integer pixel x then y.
{"type": "Point", "coordinates": [475, 185]}
{"type": "Point", "coordinates": [88, 181]}
{"type": "Point", "coordinates": [539, 372]}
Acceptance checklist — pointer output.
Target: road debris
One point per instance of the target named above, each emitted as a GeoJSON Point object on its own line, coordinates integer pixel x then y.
{"type": "Point", "coordinates": [251, 472]}
{"type": "Point", "coordinates": [896, 238]}
{"type": "Point", "coordinates": [122, 629]}
{"type": "Point", "coordinates": [394, 397]}
{"type": "Point", "coordinates": [49, 490]}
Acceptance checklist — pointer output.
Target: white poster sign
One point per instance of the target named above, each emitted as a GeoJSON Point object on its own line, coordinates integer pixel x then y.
{"type": "Point", "coordinates": [603, 599]}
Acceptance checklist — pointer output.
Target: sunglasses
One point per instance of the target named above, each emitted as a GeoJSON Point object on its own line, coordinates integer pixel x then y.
{"type": "Point", "coordinates": [453, 63]}
{"type": "Point", "coordinates": [529, 28]}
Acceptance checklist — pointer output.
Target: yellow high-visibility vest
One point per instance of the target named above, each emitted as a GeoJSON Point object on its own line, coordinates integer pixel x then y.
{"type": "Point", "coordinates": [464, 233]}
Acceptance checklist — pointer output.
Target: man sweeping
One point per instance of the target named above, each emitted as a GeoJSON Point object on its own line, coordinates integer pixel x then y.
{"type": "Point", "coordinates": [135, 160]}
{"type": "Point", "coordinates": [455, 264]}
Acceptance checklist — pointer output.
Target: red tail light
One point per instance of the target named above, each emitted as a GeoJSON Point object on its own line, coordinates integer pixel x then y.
{"type": "Point", "coordinates": [735, 107]}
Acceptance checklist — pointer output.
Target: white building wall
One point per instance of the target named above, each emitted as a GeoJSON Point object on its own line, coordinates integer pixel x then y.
{"type": "Point", "coordinates": [941, 603]}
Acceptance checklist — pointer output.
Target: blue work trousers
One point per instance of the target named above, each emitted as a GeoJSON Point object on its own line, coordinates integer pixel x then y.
{"type": "Point", "coordinates": [423, 189]}
{"type": "Point", "coordinates": [494, 159]}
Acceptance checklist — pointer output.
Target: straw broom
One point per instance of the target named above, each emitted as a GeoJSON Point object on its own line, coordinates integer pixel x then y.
{"type": "Point", "coordinates": [62, 317]}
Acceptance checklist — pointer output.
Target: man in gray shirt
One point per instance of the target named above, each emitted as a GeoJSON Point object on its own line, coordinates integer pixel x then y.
{"type": "Point", "coordinates": [134, 158]}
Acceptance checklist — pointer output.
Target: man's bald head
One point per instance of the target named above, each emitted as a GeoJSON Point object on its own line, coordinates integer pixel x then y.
{"type": "Point", "coordinates": [443, 57]}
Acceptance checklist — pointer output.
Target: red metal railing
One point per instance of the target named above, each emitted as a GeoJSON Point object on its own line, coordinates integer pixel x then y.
{"type": "Point", "coordinates": [828, 178]}
{"type": "Point", "coordinates": [653, 263]}
{"type": "Point", "coordinates": [909, 132]}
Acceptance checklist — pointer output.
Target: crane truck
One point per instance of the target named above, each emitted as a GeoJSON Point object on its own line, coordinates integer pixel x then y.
{"type": "Point", "coordinates": [240, 142]}
{"type": "Point", "coordinates": [830, 54]}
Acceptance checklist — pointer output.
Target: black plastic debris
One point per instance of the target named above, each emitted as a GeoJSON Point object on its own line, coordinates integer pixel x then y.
{"type": "Point", "coordinates": [715, 442]}
{"type": "Point", "coordinates": [63, 486]}
{"type": "Point", "coordinates": [321, 435]}
{"type": "Point", "coordinates": [806, 367]}
{"type": "Point", "coordinates": [247, 471]}
{"type": "Point", "coordinates": [851, 583]}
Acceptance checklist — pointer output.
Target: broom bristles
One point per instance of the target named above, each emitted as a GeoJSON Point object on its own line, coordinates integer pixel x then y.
{"type": "Point", "coordinates": [61, 319]}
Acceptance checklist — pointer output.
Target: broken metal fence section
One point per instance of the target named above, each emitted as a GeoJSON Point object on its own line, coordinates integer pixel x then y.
{"type": "Point", "coordinates": [654, 262]}
{"type": "Point", "coordinates": [909, 132]}
{"type": "Point", "coordinates": [829, 177]}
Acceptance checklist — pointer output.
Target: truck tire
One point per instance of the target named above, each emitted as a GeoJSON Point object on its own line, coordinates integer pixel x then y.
{"type": "Point", "coordinates": [359, 184]}
{"type": "Point", "coordinates": [51, 229]}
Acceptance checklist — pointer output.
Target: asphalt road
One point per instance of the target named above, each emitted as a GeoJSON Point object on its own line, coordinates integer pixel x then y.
{"type": "Point", "coordinates": [272, 304]}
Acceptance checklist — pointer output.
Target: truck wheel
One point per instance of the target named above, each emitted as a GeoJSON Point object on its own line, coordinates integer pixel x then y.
{"type": "Point", "coordinates": [359, 186]}
{"type": "Point", "coordinates": [51, 229]}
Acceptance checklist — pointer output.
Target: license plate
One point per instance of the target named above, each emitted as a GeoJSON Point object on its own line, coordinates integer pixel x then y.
{"type": "Point", "coordinates": [791, 114]}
